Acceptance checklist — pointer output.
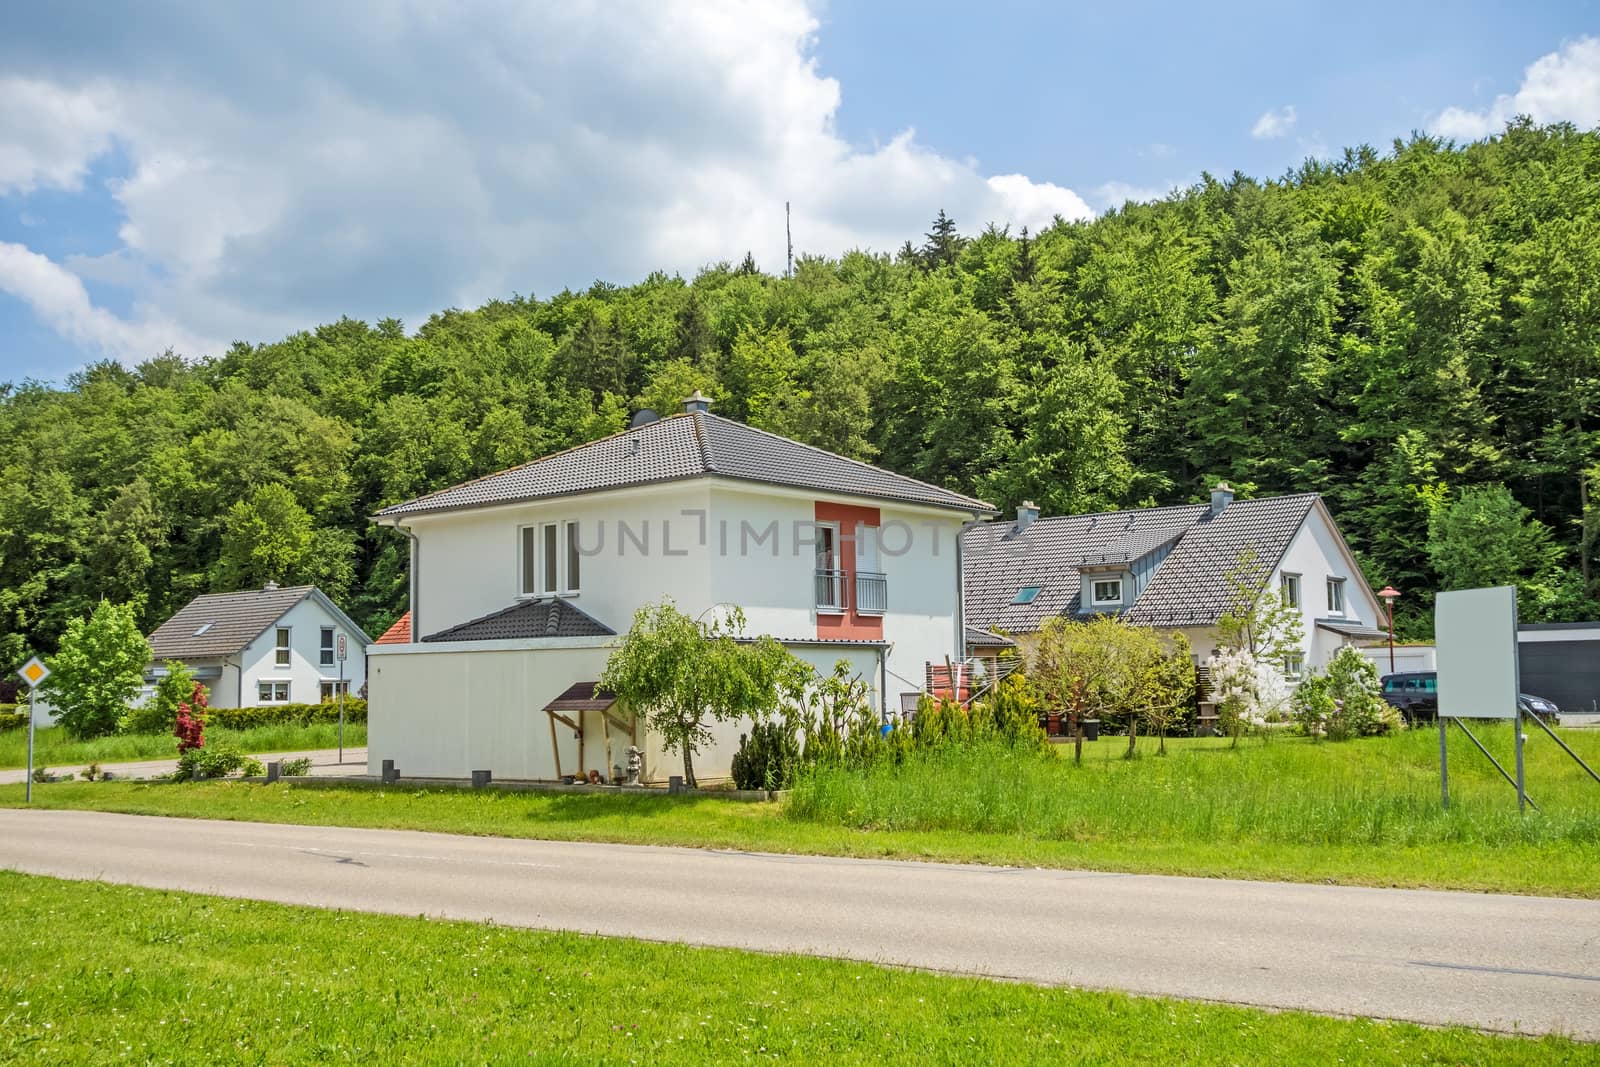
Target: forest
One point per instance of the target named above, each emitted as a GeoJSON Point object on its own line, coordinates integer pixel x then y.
{"type": "Point", "coordinates": [1414, 334]}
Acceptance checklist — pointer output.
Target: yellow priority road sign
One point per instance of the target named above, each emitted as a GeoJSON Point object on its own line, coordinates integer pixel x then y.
{"type": "Point", "coordinates": [34, 671]}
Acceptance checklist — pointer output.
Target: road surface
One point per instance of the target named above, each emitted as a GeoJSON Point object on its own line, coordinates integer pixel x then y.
{"type": "Point", "coordinates": [1489, 961]}
{"type": "Point", "coordinates": [324, 763]}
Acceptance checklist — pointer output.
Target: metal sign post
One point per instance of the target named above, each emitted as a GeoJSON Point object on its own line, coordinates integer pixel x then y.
{"type": "Point", "coordinates": [344, 651]}
{"type": "Point", "coordinates": [33, 672]}
{"type": "Point", "coordinates": [1475, 631]}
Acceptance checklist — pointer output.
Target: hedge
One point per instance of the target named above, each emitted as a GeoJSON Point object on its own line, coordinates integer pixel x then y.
{"type": "Point", "coordinates": [285, 715]}
{"type": "Point", "coordinates": [12, 719]}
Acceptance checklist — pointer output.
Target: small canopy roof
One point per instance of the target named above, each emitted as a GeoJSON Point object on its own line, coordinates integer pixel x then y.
{"type": "Point", "coordinates": [583, 696]}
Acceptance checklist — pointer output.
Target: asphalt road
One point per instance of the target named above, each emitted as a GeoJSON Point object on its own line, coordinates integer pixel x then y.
{"type": "Point", "coordinates": [1490, 961]}
{"type": "Point", "coordinates": [324, 763]}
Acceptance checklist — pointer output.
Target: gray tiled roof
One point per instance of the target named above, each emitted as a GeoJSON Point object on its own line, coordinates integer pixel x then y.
{"type": "Point", "coordinates": [687, 446]}
{"type": "Point", "coordinates": [220, 624]}
{"type": "Point", "coordinates": [1189, 588]}
{"type": "Point", "coordinates": [527, 619]}
{"type": "Point", "coordinates": [980, 638]}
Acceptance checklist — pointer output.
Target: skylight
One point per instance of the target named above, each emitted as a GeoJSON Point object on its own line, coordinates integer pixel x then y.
{"type": "Point", "coordinates": [204, 628]}
{"type": "Point", "coordinates": [1027, 593]}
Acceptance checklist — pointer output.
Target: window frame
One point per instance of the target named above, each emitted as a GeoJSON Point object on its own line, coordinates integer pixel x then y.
{"type": "Point", "coordinates": [1336, 604]}
{"type": "Point", "coordinates": [1096, 600]}
{"type": "Point", "coordinates": [1020, 599]}
{"type": "Point", "coordinates": [572, 570]}
{"type": "Point", "coordinates": [1294, 666]}
{"type": "Point", "coordinates": [332, 686]}
{"type": "Point", "coordinates": [327, 644]}
{"type": "Point", "coordinates": [283, 647]}
{"type": "Point", "coordinates": [271, 686]}
{"type": "Point", "coordinates": [1288, 581]}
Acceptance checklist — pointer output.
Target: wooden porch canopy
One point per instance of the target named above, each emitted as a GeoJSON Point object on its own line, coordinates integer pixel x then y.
{"type": "Point", "coordinates": [579, 698]}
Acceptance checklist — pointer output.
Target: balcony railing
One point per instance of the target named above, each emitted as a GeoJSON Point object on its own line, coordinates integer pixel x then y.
{"type": "Point", "coordinates": [830, 590]}
{"type": "Point", "coordinates": [872, 593]}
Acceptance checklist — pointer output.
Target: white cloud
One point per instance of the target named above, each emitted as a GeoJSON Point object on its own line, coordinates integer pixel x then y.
{"type": "Point", "coordinates": [414, 158]}
{"type": "Point", "coordinates": [60, 300]}
{"type": "Point", "coordinates": [1274, 123]}
{"type": "Point", "coordinates": [49, 134]}
{"type": "Point", "coordinates": [1563, 86]}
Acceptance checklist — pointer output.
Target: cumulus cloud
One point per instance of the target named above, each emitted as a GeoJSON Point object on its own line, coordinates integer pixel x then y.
{"type": "Point", "coordinates": [60, 300]}
{"type": "Point", "coordinates": [1563, 86]}
{"type": "Point", "coordinates": [409, 158]}
{"type": "Point", "coordinates": [1275, 123]}
{"type": "Point", "coordinates": [48, 134]}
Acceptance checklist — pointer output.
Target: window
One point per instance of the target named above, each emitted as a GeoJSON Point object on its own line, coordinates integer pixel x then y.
{"type": "Point", "coordinates": [1294, 666]}
{"type": "Point", "coordinates": [1429, 683]}
{"type": "Point", "coordinates": [572, 557]}
{"type": "Point", "coordinates": [1336, 596]}
{"type": "Point", "coordinates": [1027, 594]}
{"type": "Point", "coordinates": [829, 576]}
{"type": "Point", "coordinates": [281, 652]}
{"type": "Point", "coordinates": [530, 561]}
{"type": "Point", "coordinates": [551, 560]}
{"type": "Point", "coordinates": [329, 690]}
{"type": "Point", "coordinates": [325, 649]}
{"type": "Point", "coordinates": [203, 629]}
{"type": "Point", "coordinates": [1108, 591]}
{"type": "Point", "coordinates": [273, 692]}
{"type": "Point", "coordinates": [1291, 590]}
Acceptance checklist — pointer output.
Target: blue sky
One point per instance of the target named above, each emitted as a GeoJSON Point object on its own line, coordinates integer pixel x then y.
{"type": "Point", "coordinates": [194, 175]}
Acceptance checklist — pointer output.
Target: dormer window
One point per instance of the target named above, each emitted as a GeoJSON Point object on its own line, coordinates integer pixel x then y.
{"type": "Point", "coordinates": [1107, 591]}
{"type": "Point", "coordinates": [1027, 594]}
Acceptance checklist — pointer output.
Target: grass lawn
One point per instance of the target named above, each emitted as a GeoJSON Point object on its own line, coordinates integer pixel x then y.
{"type": "Point", "coordinates": [95, 973]}
{"type": "Point", "coordinates": [1364, 812]}
{"type": "Point", "coordinates": [54, 749]}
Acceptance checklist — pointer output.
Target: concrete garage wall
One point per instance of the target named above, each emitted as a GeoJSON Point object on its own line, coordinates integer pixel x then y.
{"type": "Point", "coordinates": [446, 710]}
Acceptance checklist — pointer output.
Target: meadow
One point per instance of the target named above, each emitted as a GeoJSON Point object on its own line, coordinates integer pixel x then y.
{"type": "Point", "coordinates": [97, 973]}
{"type": "Point", "coordinates": [53, 748]}
{"type": "Point", "coordinates": [1361, 812]}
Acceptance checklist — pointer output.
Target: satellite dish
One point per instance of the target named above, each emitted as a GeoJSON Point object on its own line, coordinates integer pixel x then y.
{"type": "Point", "coordinates": [643, 417]}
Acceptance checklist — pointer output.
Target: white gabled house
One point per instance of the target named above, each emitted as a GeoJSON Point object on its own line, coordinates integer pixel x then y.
{"type": "Point", "coordinates": [1172, 568]}
{"type": "Point", "coordinates": [522, 581]}
{"type": "Point", "coordinates": [263, 646]}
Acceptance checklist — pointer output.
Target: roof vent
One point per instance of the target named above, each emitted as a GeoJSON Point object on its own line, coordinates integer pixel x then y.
{"type": "Point", "coordinates": [1221, 497]}
{"type": "Point", "coordinates": [697, 404]}
{"type": "Point", "coordinates": [1027, 511]}
{"type": "Point", "coordinates": [643, 417]}
{"type": "Point", "coordinates": [269, 587]}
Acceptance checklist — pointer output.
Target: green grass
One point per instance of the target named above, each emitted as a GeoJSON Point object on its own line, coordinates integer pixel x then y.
{"type": "Point", "coordinates": [54, 749]}
{"type": "Point", "coordinates": [1363, 812]}
{"type": "Point", "coordinates": [96, 973]}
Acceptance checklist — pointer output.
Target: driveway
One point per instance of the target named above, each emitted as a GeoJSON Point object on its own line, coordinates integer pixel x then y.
{"type": "Point", "coordinates": [1495, 962]}
{"type": "Point", "coordinates": [324, 764]}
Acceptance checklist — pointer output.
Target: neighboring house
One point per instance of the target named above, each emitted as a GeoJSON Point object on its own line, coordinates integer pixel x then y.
{"type": "Point", "coordinates": [523, 580]}
{"type": "Point", "coordinates": [263, 646]}
{"type": "Point", "coordinates": [1171, 569]}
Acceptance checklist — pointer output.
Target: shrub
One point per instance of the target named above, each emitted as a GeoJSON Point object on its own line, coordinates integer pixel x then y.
{"type": "Point", "coordinates": [156, 715]}
{"type": "Point", "coordinates": [294, 768]}
{"type": "Point", "coordinates": [12, 720]}
{"type": "Point", "coordinates": [768, 756]}
{"type": "Point", "coordinates": [355, 711]}
{"type": "Point", "coordinates": [1344, 701]}
{"type": "Point", "coordinates": [216, 761]}
{"type": "Point", "coordinates": [190, 725]}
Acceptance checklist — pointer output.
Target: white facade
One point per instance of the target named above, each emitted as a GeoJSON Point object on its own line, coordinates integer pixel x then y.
{"type": "Point", "coordinates": [704, 542]}
{"type": "Point", "coordinates": [1318, 558]}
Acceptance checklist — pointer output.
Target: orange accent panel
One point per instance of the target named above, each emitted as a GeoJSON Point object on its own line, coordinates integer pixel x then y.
{"type": "Point", "coordinates": [848, 626]}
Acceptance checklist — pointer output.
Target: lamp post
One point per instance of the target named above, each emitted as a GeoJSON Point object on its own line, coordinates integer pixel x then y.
{"type": "Point", "coordinates": [1390, 594]}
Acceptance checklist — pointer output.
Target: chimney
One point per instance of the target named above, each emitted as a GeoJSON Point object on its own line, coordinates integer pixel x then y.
{"type": "Point", "coordinates": [1221, 497]}
{"type": "Point", "coordinates": [697, 404]}
{"type": "Point", "coordinates": [270, 586]}
{"type": "Point", "coordinates": [1027, 511]}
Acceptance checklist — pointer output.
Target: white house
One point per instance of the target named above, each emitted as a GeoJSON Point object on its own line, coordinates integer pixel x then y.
{"type": "Point", "coordinates": [522, 581]}
{"type": "Point", "coordinates": [263, 646]}
{"type": "Point", "coordinates": [1172, 568]}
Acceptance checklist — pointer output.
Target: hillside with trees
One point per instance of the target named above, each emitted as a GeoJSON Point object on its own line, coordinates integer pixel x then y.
{"type": "Point", "coordinates": [1414, 334]}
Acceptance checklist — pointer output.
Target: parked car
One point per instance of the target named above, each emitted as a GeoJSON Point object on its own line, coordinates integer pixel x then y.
{"type": "Point", "coordinates": [1416, 694]}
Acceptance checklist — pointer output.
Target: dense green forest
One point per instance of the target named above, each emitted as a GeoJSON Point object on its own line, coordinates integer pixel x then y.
{"type": "Point", "coordinates": [1414, 334]}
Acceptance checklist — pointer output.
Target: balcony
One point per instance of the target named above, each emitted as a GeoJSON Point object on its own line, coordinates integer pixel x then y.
{"type": "Point", "coordinates": [830, 591]}
{"type": "Point", "coordinates": [872, 593]}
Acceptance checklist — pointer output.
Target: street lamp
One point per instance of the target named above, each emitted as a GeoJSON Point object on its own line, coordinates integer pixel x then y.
{"type": "Point", "coordinates": [1390, 594]}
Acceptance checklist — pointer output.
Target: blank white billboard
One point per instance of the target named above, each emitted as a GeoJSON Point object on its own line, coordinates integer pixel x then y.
{"type": "Point", "coordinates": [1475, 634]}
